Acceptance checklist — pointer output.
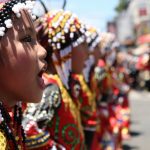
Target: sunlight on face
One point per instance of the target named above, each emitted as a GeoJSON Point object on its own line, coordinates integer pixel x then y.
{"type": "Point", "coordinates": [21, 61]}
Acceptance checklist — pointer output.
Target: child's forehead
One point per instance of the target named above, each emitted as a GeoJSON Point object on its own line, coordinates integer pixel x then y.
{"type": "Point", "coordinates": [25, 20]}
{"type": "Point", "coordinates": [11, 8]}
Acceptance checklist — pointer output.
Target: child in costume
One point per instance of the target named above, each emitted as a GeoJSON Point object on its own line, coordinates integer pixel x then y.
{"type": "Point", "coordinates": [21, 65]}
{"type": "Point", "coordinates": [59, 32]}
{"type": "Point", "coordinates": [104, 78]}
{"type": "Point", "coordinates": [110, 107]}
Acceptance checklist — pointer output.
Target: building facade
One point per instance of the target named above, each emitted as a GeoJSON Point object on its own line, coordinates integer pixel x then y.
{"type": "Point", "coordinates": [134, 22]}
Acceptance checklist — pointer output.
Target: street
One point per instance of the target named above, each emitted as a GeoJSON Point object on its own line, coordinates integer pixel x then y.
{"type": "Point", "coordinates": [140, 121]}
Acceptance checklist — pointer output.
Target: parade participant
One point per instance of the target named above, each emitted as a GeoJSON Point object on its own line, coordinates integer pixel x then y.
{"type": "Point", "coordinates": [122, 76]}
{"type": "Point", "coordinates": [22, 62]}
{"type": "Point", "coordinates": [93, 40]}
{"type": "Point", "coordinates": [116, 105]}
{"type": "Point", "coordinates": [58, 32]}
{"type": "Point", "coordinates": [70, 48]}
{"type": "Point", "coordinates": [117, 112]}
{"type": "Point", "coordinates": [106, 89]}
{"type": "Point", "coordinates": [123, 72]}
{"type": "Point", "coordinates": [86, 97]}
{"type": "Point", "coordinates": [87, 107]}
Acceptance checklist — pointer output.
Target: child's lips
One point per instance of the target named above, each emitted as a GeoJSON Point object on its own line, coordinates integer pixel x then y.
{"type": "Point", "coordinates": [41, 83]}
{"type": "Point", "coordinates": [40, 79]}
{"type": "Point", "coordinates": [43, 69]}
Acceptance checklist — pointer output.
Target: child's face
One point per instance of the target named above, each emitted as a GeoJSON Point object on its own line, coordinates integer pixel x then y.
{"type": "Point", "coordinates": [22, 59]}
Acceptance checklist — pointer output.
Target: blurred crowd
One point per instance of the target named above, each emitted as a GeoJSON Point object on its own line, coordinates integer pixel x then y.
{"type": "Point", "coordinates": [89, 75]}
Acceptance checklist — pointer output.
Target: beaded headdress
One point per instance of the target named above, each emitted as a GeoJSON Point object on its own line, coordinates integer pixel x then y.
{"type": "Point", "coordinates": [7, 7]}
{"type": "Point", "coordinates": [107, 42]}
{"type": "Point", "coordinates": [65, 31]}
{"type": "Point", "coordinates": [93, 39]}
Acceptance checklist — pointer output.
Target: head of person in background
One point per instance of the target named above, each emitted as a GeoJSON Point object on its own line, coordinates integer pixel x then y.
{"type": "Point", "coordinates": [92, 39]}
{"type": "Point", "coordinates": [109, 46]}
{"type": "Point", "coordinates": [64, 41]}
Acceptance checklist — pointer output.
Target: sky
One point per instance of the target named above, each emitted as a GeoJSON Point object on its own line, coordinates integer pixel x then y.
{"type": "Point", "coordinates": [92, 12]}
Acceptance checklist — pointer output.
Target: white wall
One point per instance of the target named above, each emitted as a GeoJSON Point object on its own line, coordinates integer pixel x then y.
{"type": "Point", "coordinates": [124, 27]}
{"type": "Point", "coordinates": [134, 7]}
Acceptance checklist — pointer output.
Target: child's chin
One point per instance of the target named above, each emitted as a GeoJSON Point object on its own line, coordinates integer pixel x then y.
{"type": "Point", "coordinates": [36, 101]}
{"type": "Point", "coordinates": [35, 98]}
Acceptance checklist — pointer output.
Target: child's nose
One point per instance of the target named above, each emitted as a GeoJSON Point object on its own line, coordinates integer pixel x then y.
{"type": "Point", "coordinates": [42, 53]}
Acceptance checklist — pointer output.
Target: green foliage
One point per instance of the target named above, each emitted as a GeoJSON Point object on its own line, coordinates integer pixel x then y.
{"type": "Point", "coordinates": [122, 5]}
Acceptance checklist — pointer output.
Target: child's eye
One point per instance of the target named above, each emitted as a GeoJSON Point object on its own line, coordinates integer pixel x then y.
{"type": "Point", "coordinates": [28, 38]}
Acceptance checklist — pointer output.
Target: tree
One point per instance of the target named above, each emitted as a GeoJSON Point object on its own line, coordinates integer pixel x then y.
{"type": "Point", "coordinates": [122, 5]}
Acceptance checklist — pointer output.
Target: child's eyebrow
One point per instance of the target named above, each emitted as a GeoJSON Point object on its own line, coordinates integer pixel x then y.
{"type": "Point", "coordinates": [26, 30]}
{"type": "Point", "coordinates": [30, 29]}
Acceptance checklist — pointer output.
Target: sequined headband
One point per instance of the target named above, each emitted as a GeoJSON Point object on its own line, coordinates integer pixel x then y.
{"type": "Point", "coordinates": [92, 37]}
{"type": "Point", "coordinates": [8, 7]}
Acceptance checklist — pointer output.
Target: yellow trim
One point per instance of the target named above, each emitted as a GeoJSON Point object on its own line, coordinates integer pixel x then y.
{"type": "Point", "coordinates": [86, 89]}
{"type": "Point", "coordinates": [3, 141]}
{"type": "Point", "coordinates": [69, 104]}
{"type": "Point", "coordinates": [36, 136]}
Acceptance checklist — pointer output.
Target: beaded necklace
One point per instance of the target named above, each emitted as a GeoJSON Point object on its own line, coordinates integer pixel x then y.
{"type": "Point", "coordinates": [11, 126]}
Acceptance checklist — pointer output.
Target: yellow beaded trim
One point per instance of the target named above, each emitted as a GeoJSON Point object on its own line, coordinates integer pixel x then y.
{"type": "Point", "coordinates": [3, 141]}
{"type": "Point", "coordinates": [69, 102]}
{"type": "Point", "coordinates": [85, 88]}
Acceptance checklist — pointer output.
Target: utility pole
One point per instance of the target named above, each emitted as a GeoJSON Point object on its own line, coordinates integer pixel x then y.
{"type": "Point", "coordinates": [45, 9]}
{"type": "Point", "coordinates": [64, 4]}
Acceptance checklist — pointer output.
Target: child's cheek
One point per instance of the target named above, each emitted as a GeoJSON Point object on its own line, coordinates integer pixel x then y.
{"type": "Point", "coordinates": [26, 55]}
